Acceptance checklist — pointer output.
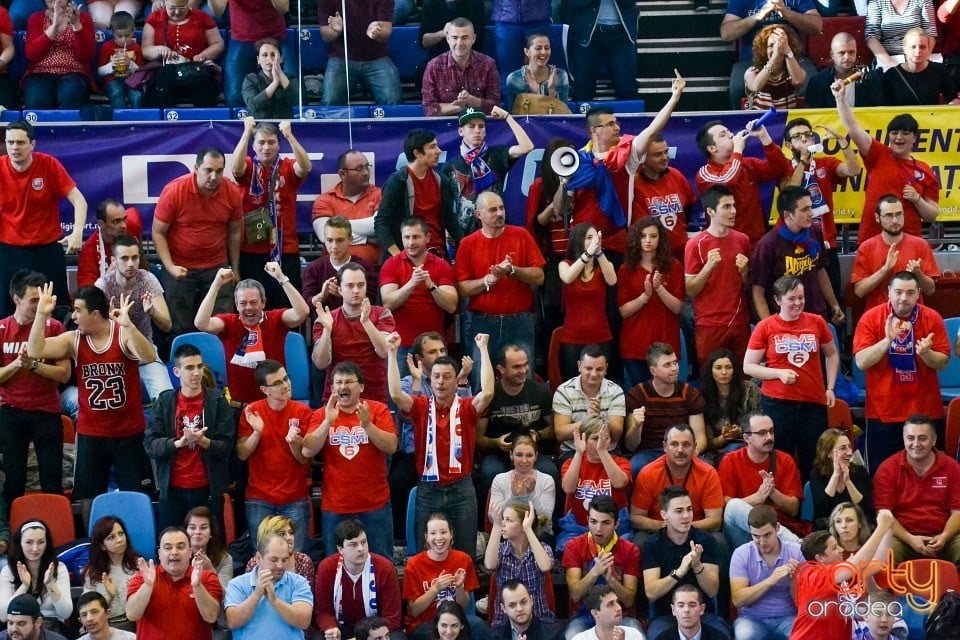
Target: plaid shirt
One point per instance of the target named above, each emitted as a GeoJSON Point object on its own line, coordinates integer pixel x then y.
{"type": "Point", "coordinates": [525, 570]}
{"type": "Point", "coordinates": [443, 80]}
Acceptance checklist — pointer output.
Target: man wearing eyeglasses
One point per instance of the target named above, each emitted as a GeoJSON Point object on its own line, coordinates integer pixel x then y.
{"type": "Point", "coordinates": [270, 440]}
{"type": "Point", "coordinates": [891, 252]}
{"type": "Point", "coordinates": [892, 169]}
{"type": "Point", "coordinates": [356, 199]}
{"type": "Point", "coordinates": [270, 182]}
{"type": "Point", "coordinates": [759, 474]}
{"type": "Point", "coordinates": [818, 175]}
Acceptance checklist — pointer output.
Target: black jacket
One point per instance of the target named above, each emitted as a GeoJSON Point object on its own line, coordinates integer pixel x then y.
{"type": "Point", "coordinates": [396, 205]}
{"type": "Point", "coordinates": [819, 96]}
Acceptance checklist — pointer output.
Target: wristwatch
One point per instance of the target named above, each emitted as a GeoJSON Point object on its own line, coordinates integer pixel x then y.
{"type": "Point", "coordinates": [433, 288]}
{"type": "Point", "coordinates": [673, 574]}
{"type": "Point", "coordinates": [35, 364]}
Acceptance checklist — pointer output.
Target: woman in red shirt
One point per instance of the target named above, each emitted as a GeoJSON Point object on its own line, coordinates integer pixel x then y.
{"type": "Point", "coordinates": [60, 48]}
{"type": "Point", "coordinates": [8, 90]}
{"type": "Point", "coordinates": [650, 296]}
{"type": "Point", "coordinates": [178, 34]}
{"type": "Point", "coordinates": [792, 393]}
{"type": "Point", "coordinates": [585, 275]}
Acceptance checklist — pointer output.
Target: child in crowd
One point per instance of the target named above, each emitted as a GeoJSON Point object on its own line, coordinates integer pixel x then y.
{"type": "Point", "coordinates": [118, 59]}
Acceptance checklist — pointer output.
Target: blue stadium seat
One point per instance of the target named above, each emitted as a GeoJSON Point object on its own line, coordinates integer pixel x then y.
{"type": "Point", "coordinates": [51, 115]}
{"type": "Point", "coordinates": [10, 115]}
{"type": "Point", "coordinates": [313, 50]}
{"type": "Point", "coordinates": [413, 545]}
{"type": "Point", "coordinates": [859, 379]}
{"type": "Point", "coordinates": [137, 115]}
{"type": "Point", "coordinates": [619, 106]}
{"type": "Point", "coordinates": [197, 113]}
{"type": "Point", "coordinates": [406, 52]}
{"type": "Point", "coordinates": [298, 366]}
{"type": "Point", "coordinates": [950, 377]}
{"type": "Point", "coordinates": [136, 511]}
{"type": "Point", "coordinates": [397, 111]}
{"type": "Point", "coordinates": [210, 348]}
{"type": "Point", "coordinates": [317, 112]}
{"type": "Point", "coordinates": [239, 113]}
{"type": "Point", "coordinates": [806, 507]}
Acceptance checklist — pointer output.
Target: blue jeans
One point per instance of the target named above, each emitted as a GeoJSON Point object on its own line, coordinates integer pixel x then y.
{"type": "Point", "coordinates": [634, 372]}
{"type": "Point", "coordinates": [458, 501]}
{"type": "Point", "coordinates": [666, 623]}
{"type": "Point", "coordinates": [402, 10]}
{"type": "Point", "coordinates": [883, 439]}
{"type": "Point", "coordinates": [299, 512]}
{"type": "Point", "coordinates": [378, 524]}
{"type": "Point", "coordinates": [242, 60]}
{"type": "Point", "coordinates": [121, 96]}
{"type": "Point", "coordinates": [155, 378]}
{"type": "Point", "coordinates": [515, 329]}
{"type": "Point", "coordinates": [737, 531]}
{"type": "Point", "coordinates": [510, 38]}
{"type": "Point", "coordinates": [799, 425]}
{"type": "Point", "coordinates": [613, 47]}
{"type": "Point", "coordinates": [642, 458]}
{"type": "Point", "coordinates": [52, 91]}
{"type": "Point", "coordinates": [379, 76]}
{"type": "Point", "coordinates": [765, 629]}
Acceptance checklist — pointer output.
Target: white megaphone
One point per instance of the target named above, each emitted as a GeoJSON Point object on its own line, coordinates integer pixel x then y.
{"type": "Point", "coordinates": [565, 161]}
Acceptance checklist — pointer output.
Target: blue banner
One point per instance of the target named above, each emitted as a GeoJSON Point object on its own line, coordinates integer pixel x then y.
{"type": "Point", "coordinates": [133, 162]}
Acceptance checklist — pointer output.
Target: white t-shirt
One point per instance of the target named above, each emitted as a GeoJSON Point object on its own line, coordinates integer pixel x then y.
{"type": "Point", "coordinates": [629, 633]}
{"type": "Point", "coordinates": [116, 635]}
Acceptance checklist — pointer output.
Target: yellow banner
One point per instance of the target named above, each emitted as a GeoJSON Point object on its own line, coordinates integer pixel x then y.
{"type": "Point", "coordinates": [938, 145]}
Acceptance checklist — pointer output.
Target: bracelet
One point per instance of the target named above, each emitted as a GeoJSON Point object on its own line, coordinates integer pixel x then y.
{"type": "Point", "coordinates": [584, 257]}
{"type": "Point", "coordinates": [435, 287]}
{"type": "Point", "coordinates": [829, 388]}
{"type": "Point", "coordinates": [513, 270]}
{"type": "Point", "coordinates": [486, 284]}
{"type": "Point", "coordinates": [696, 573]}
{"type": "Point", "coordinates": [283, 282]}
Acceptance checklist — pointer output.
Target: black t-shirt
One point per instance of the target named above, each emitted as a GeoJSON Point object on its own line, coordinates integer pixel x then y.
{"type": "Point", "coordinates": [925, 87]}
{"type": "Point", "coordinates": [499, 161]}
{"type": "Point", "coordinates": [659, 552]}
{"type": "Point", "coordinates": [520, 413]}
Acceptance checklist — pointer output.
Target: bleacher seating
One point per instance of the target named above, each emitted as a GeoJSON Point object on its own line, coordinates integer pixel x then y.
{"type": "Point", "coordinates": [197, 113]}
{"type": "Point", "coordinates": [818, 47]}
{"type": "Point", "coordinates": [136, 511]}
{"type": "Point", "coordinates": [51, 115]}
{"type": "Point", "coordinates": [138, 115]}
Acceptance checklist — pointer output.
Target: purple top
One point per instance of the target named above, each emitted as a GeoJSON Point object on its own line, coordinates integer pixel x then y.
{"type": "Point", "coordinates": [747, 563]}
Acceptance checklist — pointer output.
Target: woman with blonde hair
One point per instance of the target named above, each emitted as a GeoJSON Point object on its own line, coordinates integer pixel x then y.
{"type": "Point", "coordinates": [849, 527]}
{"type": "Point", "coordinates": [776, 76]}
{"type": "Point", "coordinates": [284, 527]}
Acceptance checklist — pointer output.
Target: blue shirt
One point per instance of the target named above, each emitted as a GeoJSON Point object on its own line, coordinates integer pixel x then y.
{"type": "Point", "coordinates": [777, 602]}
{"type": "Point", "coordinates": [744, 8]}
{"type": "Point", "coordinates": [266, 622]}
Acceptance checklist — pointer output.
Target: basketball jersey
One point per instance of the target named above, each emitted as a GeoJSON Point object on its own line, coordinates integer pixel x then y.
{"type": "Point", "coordinates": [108, 381]}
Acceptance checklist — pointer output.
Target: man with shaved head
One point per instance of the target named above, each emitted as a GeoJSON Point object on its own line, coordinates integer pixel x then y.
{"type": "Point", "coordinates": [843, 54]}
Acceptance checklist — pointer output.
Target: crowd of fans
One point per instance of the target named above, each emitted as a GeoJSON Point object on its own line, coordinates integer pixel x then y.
{"type": "Point", "coordinates": [651, 489]}
{"type": "Point", "coordinates": [912, 54]}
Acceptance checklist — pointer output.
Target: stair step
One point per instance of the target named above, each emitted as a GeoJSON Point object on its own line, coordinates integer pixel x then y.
{"type": "Point", "coordinates": [686, 24]}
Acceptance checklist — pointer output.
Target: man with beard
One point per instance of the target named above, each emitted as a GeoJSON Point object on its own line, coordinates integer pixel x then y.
{"type": "Point", "coordinates": [518, 607]}
{"type": "Point", "coordinates": [270, 182]}
{"type": "Point", "coordinates": [891, 252]}
{"type": "Point", "coordinates": [480, 168]}
{"type": "Point", "coordinates": [900, 346]}
{"type": "Point", "coordinates": [194, 214]}
{"type": "Point", "coordinates": [607, 614]}
{"type": "Point", "coordinates": [251, 335]}
{"type": "Point", "coordinates": [353, 333]}
{"type": "Point", "coordinates": [178, 599]}
{"type": "Point", "coordinates": [843, 55]}
{"type": "Point", "coordinates": [149, 305]}
{"type": "Point", "coordinates": [892, 169]}
{"type": "Point", "coordinates": [269, 601]}
{"type": "Point", "coordinates": [662, 192]}
{"type": "Point", "coordinates": [24, 621]}
{"type": "Point", "coordinates": [354, 436]}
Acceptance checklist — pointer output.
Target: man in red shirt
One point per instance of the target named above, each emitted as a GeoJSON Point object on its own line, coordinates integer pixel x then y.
{"type": "Point", "coordinates": [107, 348]}
{"type": "Point", "coordinates": [891, 252]}
{"type": "Point", "coordinates": [715, 271]}
{"type": "Point", "coordinates": [920, 486]}
{"type": "Point", "coordinates": [354, 198]}
{"type": "Point", "coordinates": [355, 437]}
{"type": "Point", "coordinates": [892, 169]}
{"type": "Point", "coordinates": [96, 256]}
{"type": "Point", "coordinates": [271, 182]}
{"type": "Point", "coordinates": [29, 403]}
{"type": "Point", "coordinates": [759, 474]}
{"type": "Point", "coordinates": [662, 192]}
{"type": "Point", "coordinates": [726, 165]}
{"type": "Point", "coordinates": [353, 333]}
{"type": "Point", "coordinates": [417, 286]}
{"type": "Point", "coordinates": [178, 599]}
{"type": "Point", "coordinates": [270, 439]}
{"type": "Point", "coordinates": [31, 187]}
{"type": "Point", "coordinates": [900, 346]}
{"type": "Point", "coordinates": [679, 465]}
{"type": "Point", "coordinates": [497, 267]}
{"type": "Point", "coordinates": [818, 586]}
{"type": "Point", "coordinates": [194, 214]}
{"type": "Point", "coordinates": [251, 335]}
{"type": "Point", "coordinates": [444, 434]}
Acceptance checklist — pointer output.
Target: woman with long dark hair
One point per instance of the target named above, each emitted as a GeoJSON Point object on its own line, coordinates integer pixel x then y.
{"type": "Point", "coordinates": [650, 295]}
{"type": "Point", "coordinates": [585, 274]}
{"type": "Point", "coordinates": [206, 541]}
{"type": "Point", "coordinates": [33, 569]}
{"type": "Point", "coordinates": [112, 563]}
{"type": "Point", "coordinates": [836, 478]}
{"type": "Point", "coordinates": [451, 623]}
{"type": "Point", "coordinates": [729, 397]}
